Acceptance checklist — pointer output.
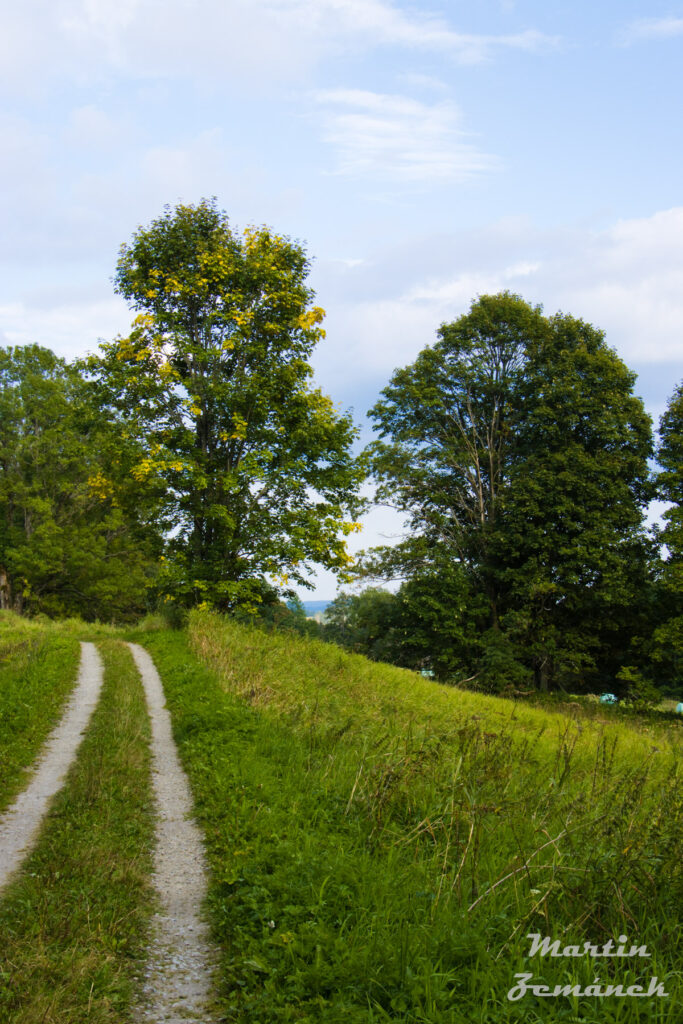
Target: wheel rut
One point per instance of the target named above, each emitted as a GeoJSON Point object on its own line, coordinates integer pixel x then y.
{"type": "Point", "coordinates": [181, 962]}
{"type": "Point", "coordinates": [20, 824]}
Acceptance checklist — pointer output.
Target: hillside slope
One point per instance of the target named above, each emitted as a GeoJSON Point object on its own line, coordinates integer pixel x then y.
{"type": "Point", "coordinates": [382, 846]}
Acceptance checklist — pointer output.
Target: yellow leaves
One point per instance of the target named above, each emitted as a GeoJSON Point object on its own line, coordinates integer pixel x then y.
{"type": "Point", "coordinates": [142, 470]}
{"type": "Point", "coordinates": [166, 372]}
{"type": "Point", "coordinates": [243, 317]}
{"type": "Point", "coordinates": [100, 486]}
{"type": "Point", "coordinates": [147, 466]}
{"type": "Point", "coordinates": [348, 528]}
{"type": "Point", "coordinates": [311, 317]}
{"type": "Point", "coordinates": [151, 294]}
{"type": "Point", "coordinates": [251, 237]}
{"type": "Point", "coordinates": [143, 321]}
{"type": "Point", "coordinates": [239, 427]}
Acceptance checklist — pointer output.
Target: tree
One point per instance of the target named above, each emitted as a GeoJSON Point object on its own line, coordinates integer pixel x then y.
{"type": "Point", "coordinates": [78, 535]}
{"type": "Point", "coordinates": [437, 615]}
{"type": "Point", "coordinates": [669, 633]}
{"type": "Point", "coordinates": [215, 376]}
{"type": "Point", "coordinates": [516, 445]}
{"type": "Point", "coordinates": [368, 623]}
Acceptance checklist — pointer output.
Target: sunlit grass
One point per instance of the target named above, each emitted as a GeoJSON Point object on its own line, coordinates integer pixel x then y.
{"type": "Point", "coordinates": [381, 846]}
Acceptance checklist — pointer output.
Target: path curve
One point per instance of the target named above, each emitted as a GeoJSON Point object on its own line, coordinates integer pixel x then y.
{"type": "Point", "coordinates": [20, 823]}
{"type": "Point", "coordinates": [181, 961]}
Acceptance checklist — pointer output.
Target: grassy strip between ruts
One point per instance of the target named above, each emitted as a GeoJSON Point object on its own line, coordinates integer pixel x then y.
{"type": "Point", "coordinates": [38, 668]}
{"type": "Point", "coordinates": [73, 922]}
{"type": "Point", "coordinates": [366, 868]}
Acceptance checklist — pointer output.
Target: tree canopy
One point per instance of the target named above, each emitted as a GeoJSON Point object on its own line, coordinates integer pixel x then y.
{"type": "Point", "coordinates": [214, 378]}
{"type": "Point", "coordinates": [78, 534]}
{"type": "Point", "coordinates": [668, 647]}
{"type": "Point", "coordinates": [516, 445]}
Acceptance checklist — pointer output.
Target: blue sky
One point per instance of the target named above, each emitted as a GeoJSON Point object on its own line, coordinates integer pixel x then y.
{"type": "Point", "coordinates": [425, 153]}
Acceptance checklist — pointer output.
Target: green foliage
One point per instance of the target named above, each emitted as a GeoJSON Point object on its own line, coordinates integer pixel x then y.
{"type": "Point", "coordinates": [380, 846]}
{"type": "Point", "coordinates": [283, 618]}
{"type": "Point", "coordinates": [369, 623]}
{"type": "Point", "coordinates": [78, 535]}
{"type": "Point", "coordinates": [437, 613]}
{"type": "Point", "coordinates": [638, 692]}
{"type": "Point", "coordinates": [516, 447]}
{"type": "Point", "coordinates": [256, 464]}
{"type": "Point", "coordinates": [668, 636]}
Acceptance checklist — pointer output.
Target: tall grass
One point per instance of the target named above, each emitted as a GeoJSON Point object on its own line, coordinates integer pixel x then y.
{"type": "Point", "coordinates": [38, 667]}
{"type": "Point", "coordinates": [73, 923]}
{"type": "Point", "coordinates": [382, 846]}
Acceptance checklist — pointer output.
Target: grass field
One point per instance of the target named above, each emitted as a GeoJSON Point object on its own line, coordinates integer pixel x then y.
{"type": "Point", "coordinates": [74, 921]}
{"type": "Point", "coordinates": [382, 846]}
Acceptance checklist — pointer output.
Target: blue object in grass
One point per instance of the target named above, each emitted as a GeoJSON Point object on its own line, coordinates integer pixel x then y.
{"type": "Point", "coordinates": [608, 698]}
{"type": "Point", "coordinates": [679, 708]}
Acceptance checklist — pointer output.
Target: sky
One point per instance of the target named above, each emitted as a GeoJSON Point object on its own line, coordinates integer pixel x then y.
{"type": "Point", "coordinates": [424, 154]}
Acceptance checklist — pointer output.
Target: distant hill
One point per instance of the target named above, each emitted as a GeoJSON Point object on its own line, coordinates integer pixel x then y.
{"type": "Point", "coordinates": [315, 607]}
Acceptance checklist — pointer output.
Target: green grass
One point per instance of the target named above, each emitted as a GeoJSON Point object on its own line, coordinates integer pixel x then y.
{"type": "Point", "coordinates": [38, 668]}
{"type": "Point", "coordinates": [381, 846]}
{"type": "Point", "coordinates": [73, 922]}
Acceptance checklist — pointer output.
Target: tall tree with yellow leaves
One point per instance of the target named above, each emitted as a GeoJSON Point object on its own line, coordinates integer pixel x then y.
{"type": "Point", "coordinates": [215, 375]}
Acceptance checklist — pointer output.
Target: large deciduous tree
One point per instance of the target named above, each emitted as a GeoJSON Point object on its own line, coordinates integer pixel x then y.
{"type": "Point", "coordinates": [516, 444]}
{"type": "Point", "coordinates": [215, 376]}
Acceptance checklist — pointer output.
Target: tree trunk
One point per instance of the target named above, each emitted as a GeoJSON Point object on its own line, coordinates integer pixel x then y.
{"type": "Point", "coordinates": [5, 590]}
{"type": "Point", "coordinates": [541, 673]}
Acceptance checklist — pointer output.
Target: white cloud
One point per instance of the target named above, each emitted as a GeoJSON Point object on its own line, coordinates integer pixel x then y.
{"type": "Point", "coordinates": [217, 40]}
{"type": "Point", "coordinates": [398, 138]}
{"type": "Point", "coordinates": [383, 23]}
{"type": "Point", "coordinates": [652, 28]}
{"type": "Point", "coordinates": [626, 279]}
{"type": "Point", "coordinates": [69, 328]}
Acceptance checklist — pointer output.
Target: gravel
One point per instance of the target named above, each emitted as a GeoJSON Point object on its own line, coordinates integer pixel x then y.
{"type": "Point", "coordinates": [178, 979]}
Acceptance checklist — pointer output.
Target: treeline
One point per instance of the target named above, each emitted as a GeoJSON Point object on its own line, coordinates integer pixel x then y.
{"type": "Point", "coordinates": [192, 462]}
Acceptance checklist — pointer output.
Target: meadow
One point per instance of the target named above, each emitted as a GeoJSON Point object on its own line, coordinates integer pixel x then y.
{"type": "Point", "coordinates": [380, 846]}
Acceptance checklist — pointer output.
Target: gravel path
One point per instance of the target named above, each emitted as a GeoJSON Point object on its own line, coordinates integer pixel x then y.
{"type": "Point", "coordinates": [180, 966]}
{"type": "Point", "coordinates": [19, 825]}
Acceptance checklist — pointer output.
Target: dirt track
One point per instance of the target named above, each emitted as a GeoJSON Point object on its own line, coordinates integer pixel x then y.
{"type": "Point", "coordinates": [178, 977]}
